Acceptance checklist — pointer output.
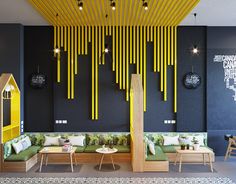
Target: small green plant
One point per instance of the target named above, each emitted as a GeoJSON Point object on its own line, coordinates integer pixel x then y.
{"type": "Point", "coordinates": [195, 141]}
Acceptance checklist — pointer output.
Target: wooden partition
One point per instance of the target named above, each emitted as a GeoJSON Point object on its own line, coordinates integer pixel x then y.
{"type": "Point", "coordinates": [136, 123]}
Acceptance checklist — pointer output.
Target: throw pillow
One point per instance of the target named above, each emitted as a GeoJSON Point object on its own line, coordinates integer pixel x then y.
{"type": "Point", "coordinates": [62, 141]}
{"type": "Point", "coordinates": [51, 141]}
{"type": "Point", "coordinates": [185, 140]}
{"type": "Point", "coordinates": [77, 140]}
{"type": "Point", "coordinates": [151, 147]}
{"type": "Point", "coordinates": [200, 139]}
{"type": "Point", "coordinates": [171, 140]}
{"type": "Point", "coordinates": [18, 147]}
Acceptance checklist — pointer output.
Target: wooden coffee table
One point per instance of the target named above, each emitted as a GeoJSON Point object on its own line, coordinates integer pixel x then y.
{"type": "Point", "coordinates": [202, 150]}
{"type": "Point", "coordinates": [56, 150]}
{"type": "Point", "coordinates": [106, 151]}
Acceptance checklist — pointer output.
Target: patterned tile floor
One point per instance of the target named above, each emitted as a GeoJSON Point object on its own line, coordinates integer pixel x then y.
{"type": "Point", "coordinates": [221, 169]}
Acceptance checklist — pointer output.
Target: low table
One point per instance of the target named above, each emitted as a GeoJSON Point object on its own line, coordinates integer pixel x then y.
{"type": "Point", "coordinates": [202, 150]}
{"type": "Point", "coordinates": [106, 151]}
{"type": "Point", "coordinates": [57, 150]}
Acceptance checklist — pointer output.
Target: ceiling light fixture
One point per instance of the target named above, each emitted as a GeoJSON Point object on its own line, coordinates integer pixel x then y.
{"type": "Point", "coordinates": [145, 5]}
{"type": "Point", "coordinates": [80, 4]}
{"type": "Point", "coordinates": [106, 50]}
{"type": "Point", "coordinates": [195, 50]}
{"type": "Point", "coordinates": [113, 5]}
{"type": "Point", "coordinates": [56, 49]}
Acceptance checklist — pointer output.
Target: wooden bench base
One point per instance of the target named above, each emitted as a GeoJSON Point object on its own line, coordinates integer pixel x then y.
{"type": "Point", "coordinates": [158, 166]}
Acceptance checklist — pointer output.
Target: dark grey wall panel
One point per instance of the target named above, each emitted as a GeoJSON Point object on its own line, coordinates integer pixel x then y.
{"type": "Point", "coordinates": [191, 115]}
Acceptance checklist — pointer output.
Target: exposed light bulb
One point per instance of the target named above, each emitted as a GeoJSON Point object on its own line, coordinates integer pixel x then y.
{"type": "Point", "coordinates": [145, 5]}
{"type": "Point", "coordinates": [8, 88]}
{"type": "Point", "coordinates": [106, 50]}
{"type": "Point", "coordinates": [80, 6]}
{"type": "Point", "coordinates": [113, 5]}
{"type": "Point", "coordinates": [56, 50]}
{"type": "Point", "coordinates": [195, 50]}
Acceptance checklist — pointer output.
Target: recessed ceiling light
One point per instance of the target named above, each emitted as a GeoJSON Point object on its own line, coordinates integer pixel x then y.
{"type": "Point", "coordinates": [113, 5]}
{"type": "Point", "coordinates": [80, 4]}
{"type": "Point", "coordinates": [195, 50]}
{"type": "Point", "coordinates": [56, 50]}
{"type": "Point", "coordinates": [145, 5]}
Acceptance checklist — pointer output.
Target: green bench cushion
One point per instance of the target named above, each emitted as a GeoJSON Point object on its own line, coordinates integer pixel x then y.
{"type": "Point", "coordinates": [159, 156]}
{"type": "Point", "coordinates": [24, 155]}
{"type": "Point", "coordinates": [121, 149]}
{"type": "Point", "coordinates": [80, 149]}
{"type": "Point", "coordinates": [168, 149]}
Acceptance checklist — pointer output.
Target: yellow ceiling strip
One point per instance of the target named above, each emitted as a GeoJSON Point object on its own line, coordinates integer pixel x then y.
{"type": "Point", "coordinates": [152, 14]}
{"type": "Point", "coordinates": [65, 37]}
{"type": "Point", "coordinates": [96, 76]}
{"type": "Point", "coordinates": [172, 9]}
{"type": "Point", "coordinates": [113, 49]}
{"type": "Point", "coordinates": [165, 12]}
{"type": "Point", "coordinates": [86, 40]}
{"type": "Point", "coordinates": [161, 58]}
{"type": "Point", "coordinates": [155, 51]}
{"type": "Point", "coordinates": [72, 62]}
{"type": "Point", "coordinates": [127, 63]}
{"type": "Point", "coordinates": [79, 42]}
{"type": "Point", "coordinates": [151, 37]}
{"type": "Point", "coordinates": [134, 44]}
{"type": "Point", "coordinates": [68, 65]}
{"type": "Point", "coordinates": [51, 12]}
{"type": "Point", "coordinates": [141, 52]}
{"type": "Point", "coordinates": [123, 54]}
{"type": "Point", "coordinates": [76, 50]}
{"type": "Point", "coordinates": [130, 44]}
{"type": "Point", "coordinates": [117, 54]}
{"type": "Point", "coordinates": [82, 41]}
{"type": "Point", "coordinates": [168, 44]}
{"type": "Point", "coordinates": [103, 44]}
{"type": "Point", "coordinates": [89, 33]}
{"type": "Point", "coordinates": [65, 5]}
{"type": "Point", "coordinates": [137, 50]}
{"type": "Point", "coordinates": [144, 71]}
{"type": "Point", "coordinates": [175, 71]}
{"type": "Point", "coordinates": [165, 63]}
{"type": "Point", "coordinates": [93, 44]}
{"type": "Point", "coordinates": [156, 14]}
{"type": "Point", "coordinates": [148, 33]}
{"type": "Point", "coordinates": [158, 49]}
{"type": "Point", "coordinates": [99, 44]}
{"type": "Point", "coordinates": [120, 57]}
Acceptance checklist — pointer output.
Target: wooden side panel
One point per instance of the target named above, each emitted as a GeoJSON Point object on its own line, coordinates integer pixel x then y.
{"type": "Point", "coordinates": [161, 166]}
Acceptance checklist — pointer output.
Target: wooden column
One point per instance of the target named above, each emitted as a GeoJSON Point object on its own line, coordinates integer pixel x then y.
{"type": "Point", "coordinates": [136, 123]}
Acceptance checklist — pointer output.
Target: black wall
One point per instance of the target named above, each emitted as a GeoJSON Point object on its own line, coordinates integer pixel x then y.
{"type": "Point", "coordinates": [12, 55]}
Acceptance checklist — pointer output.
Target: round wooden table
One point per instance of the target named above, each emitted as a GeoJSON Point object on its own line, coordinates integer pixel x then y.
{"type": "Point", "coordinates": [106, 151]}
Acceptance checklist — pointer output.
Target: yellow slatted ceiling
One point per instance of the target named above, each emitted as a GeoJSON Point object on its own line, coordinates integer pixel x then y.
{"type": "Point", "coordinates": [127, 13]}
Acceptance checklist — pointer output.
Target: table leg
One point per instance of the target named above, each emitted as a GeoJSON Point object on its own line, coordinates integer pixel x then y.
{"type": "Point", "coordinates": [41, 163]}
{"type": "Point", "coordinates": [112, 162]}
{"type": "Point", "coordinates": [100, 165]}
{"type": "Point", "coordinates": [176, 157]}
{"type": "Point", "coordinates": [180, 163]}
{"type": "Point", "coordinates": [46, 159]}
{"type": "Point", "coordinates": [71, 163]}
{"type": "Point", "coordinates": [75, 159]}
{"type": "Point", "coordinates": [204, 161]}
{"type": "Point", "coordinates": [210, 162]}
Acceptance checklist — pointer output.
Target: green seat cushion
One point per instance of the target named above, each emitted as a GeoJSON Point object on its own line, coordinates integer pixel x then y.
{"type": "Point", "coordinates": [122, 149]}
{"type": "Point", "coordinates": [159, 156]}
{"type": "Point", "coordinates": [91, 148]}
{"type": "Point", "coordinates": [80, 149]}
{"type": "Point", "coordinates": [168, 149]}
{"type": "Point", "coordinates": [24, 155]}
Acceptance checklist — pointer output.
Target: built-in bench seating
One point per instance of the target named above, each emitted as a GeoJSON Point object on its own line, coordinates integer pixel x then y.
{"type": "Point", "coordinates": [24, 160]}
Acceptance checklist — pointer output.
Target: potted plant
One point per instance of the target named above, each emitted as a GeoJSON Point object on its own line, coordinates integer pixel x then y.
{"type": "Point", "coordinates": [196, 145]}
{"type": "Point", "coordinates": [187, 146]}
{"type": "Point", "coordinates": [182, 146]}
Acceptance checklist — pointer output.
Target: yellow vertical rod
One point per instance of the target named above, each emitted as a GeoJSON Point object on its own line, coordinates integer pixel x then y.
{"type": "Point", "coordinates": [172, 45]}
{"type": "Point", "coordinates": [68, 67]}
{"type": "Point", "coordinates": [62, 43]}
{"type": "Point", "coordinates": [117, 54]}
{"type": "Point", "coordinates": [134, 46]}
{"type": "Point", "coordinates": [58, 37]}
{"type": "Point", "coordinates": [65, 36]}
{"type": "Point", "coordinates": [165, 63]}
{"type": "Point", "coordinates": [168, 50]}
{"type": "Point", "coordinates": [127, 63]}
{"type": "Point", "coordinates": [103, 44]}
{"type": "Point", "coordinates": [137, 51]}
{"type": "Point", "coordinates": [144, 69]}
{"type": "Point", "coordinates": [106, 30]}
{"type": "Point", "coordinates": [113, 49]}
{"type": "Point", "coordinates": [58, 67]}
{"type": "Point", "coordinates": [148, 29]}
{"type": "Point", "coordinates": [158, 42]}
{"type": "Point", "coordinates": [76, 51]}
{"type": "Point", "coordinates": [151, 39]}
{"type": "Point", "coordinates": [155, 51]}
{"type": "Point", "coordinates": [100, 55]}
{"type": "Point", "coordinates": [123, 64]}
{"type": "Point", "coordinates": [72, 62]}
{"type": "Point", "coordinates": [175, 71]}
{"type": "Point", "coordinates": [130, 47]}
{"type": "Point", "coordinates": [141, 52]}
{"type": "Point", "coordinates": [86, 40]}
{"type": "Point", "coordinates": [82, 41]}
{"type": "Point", "coordinates": [89, 34]}
{"type": "Point", "coordinates": [96, 78]}
{"type": "Point", "coordinates": [79, 38]}
{"type": "Point", "coordinates": [110, 27]}
{"type": "Point", "coordinates": [93, 44]}
{"type": "Point", "coordinates": [120, 57]}
{"type": "Point", "coordinates": [55, 39]}
{"type": "Point", "coordinates": [161, 57]}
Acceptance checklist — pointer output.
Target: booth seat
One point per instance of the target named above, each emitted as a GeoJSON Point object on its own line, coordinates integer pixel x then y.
{"type": "Point", "coordinates": [168, 152]}
{"type": "Point", "coordinates": [24, 160]}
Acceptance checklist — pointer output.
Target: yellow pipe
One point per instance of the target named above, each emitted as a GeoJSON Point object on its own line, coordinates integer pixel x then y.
{"type": "Point", "coordinates": [172, 45]}
{"type": "Point", "coordinates": [127, 64]}
{"type": "Point", "coordinates": [76, 51]}
{"type": "Point", "coordinates": [148, 33]}
{"type": "Point", "coordinates": [117, 54]}
{"type": "Point", "coordinates": [158, 49]}
{"type": "Point", "coordinates": [89, 34]}
{"type": "Point", "coordinates": [62, 43]}
{"type": "Point", "coordinates": [58, 68]}
{"type": "Point", "coordinates": [103, 44]}
{"type": "Point", "coordinates": [65, 36]}
{"type": "Point", "coordinates": [138, 49]}
{"type": "Point", "coordinates": [96, 79]}
{"type": "Point", "coordinates": [123, 64]}
{"type": "Point", "coordinates": [82, 42]}
{"type": "Point", "coordinates": [93, 44]}
{"type": "Point", "coordinates": [109, 30]}
{"type": "Point", "coordinates": [58, 37]}
{"type": "Point", "coordinates": [144, 71]}
{"type": "Point", "coordinates": [131, 47]}
{"type": "Point", "coordinates": [141, 52]}
{"type": "Point", "coordinates": [68, 67]}
{"type": "Point", "coordinates": [155, 51]}
{"type": "Point", "coordinates": [151, 34]}
{"type": "Point", "coordinates": [175, 71]}
{"type": "Point", "coordinates": [161, 59]}
{"type": "Point", "coordinates": [120, 57]}
{"type": "Point", "coordinates": [165, 63]}
{"type": "Point", "coordinates": [72, 62]}
{"type": "Point", "coordinates": [168, 51]}
{"type": "Point", "coordinates": [86, 40]}
{"type": "Point", "coordinates": [79, 43]}
{"type": "Point", "coordinates": [113, 48]}
{"type": "Point", "coordinates": [99, 44]}
{"type": "Point", "coordinates": [106, 30]}
{"type": "Point", "coordinates": [134, 46]}
{"type": "Point", "coordinates": [55, 40]}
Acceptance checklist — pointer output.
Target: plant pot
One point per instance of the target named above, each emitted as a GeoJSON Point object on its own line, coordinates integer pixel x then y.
{"type": "Point", "coordinates": [187, 147]}
{"type": "Point", "coordinates": [182, 147]}
{"type": "Point", "coordinates": [196, 146]}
